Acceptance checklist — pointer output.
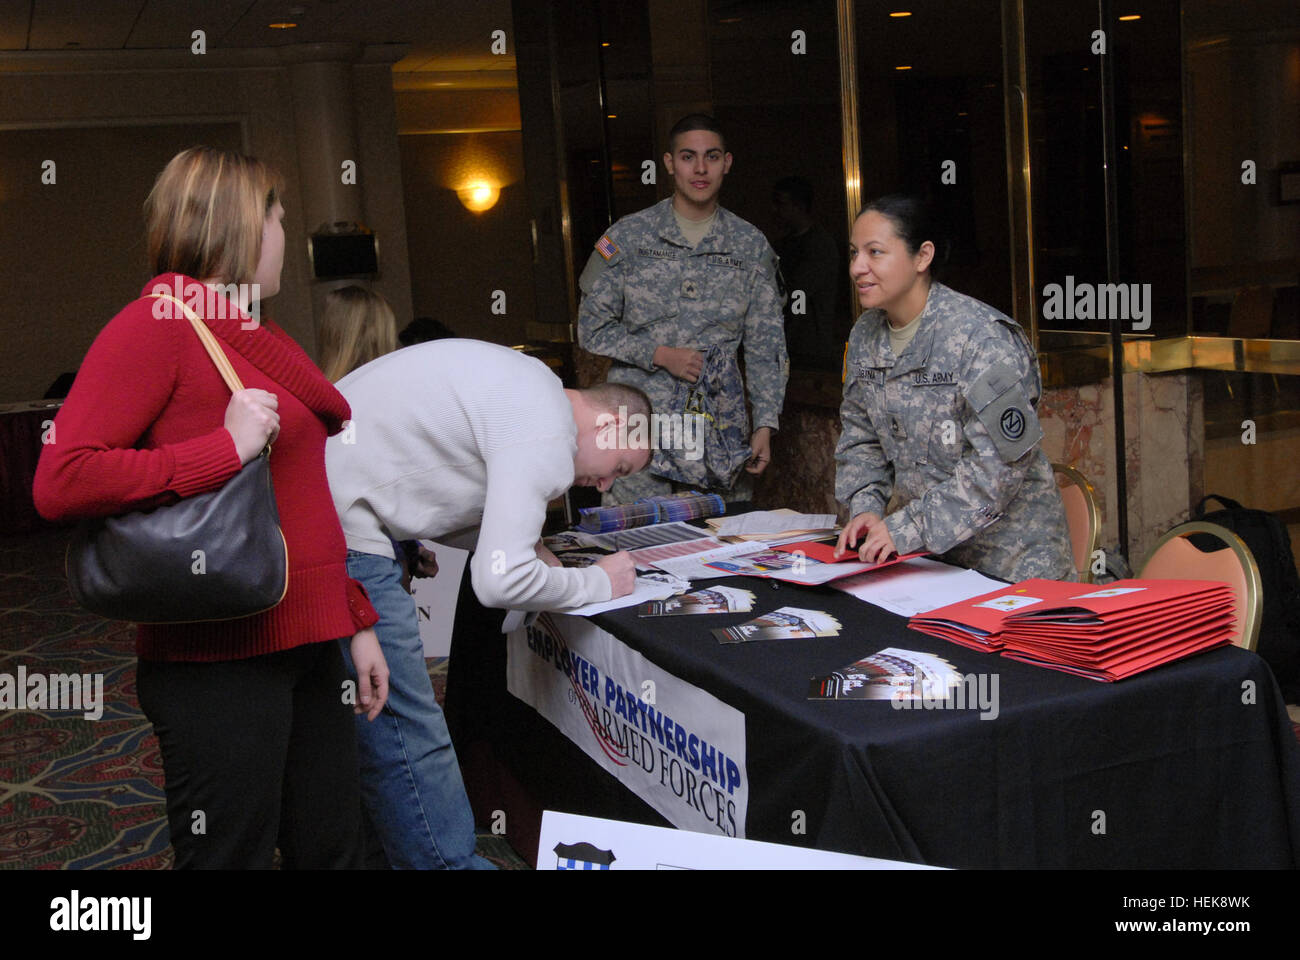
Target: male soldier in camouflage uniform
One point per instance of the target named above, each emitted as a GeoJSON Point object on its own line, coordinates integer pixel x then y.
{"type": "Point", "coordinates": [947, 429]}
{"type": "Point", "coordinates": [666, 284]}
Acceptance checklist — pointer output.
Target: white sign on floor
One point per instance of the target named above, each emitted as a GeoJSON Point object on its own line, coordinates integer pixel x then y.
{"type": "Point", "coordinates": [571, 842]}
{"type": "Point", "coordinates": [435, 599]}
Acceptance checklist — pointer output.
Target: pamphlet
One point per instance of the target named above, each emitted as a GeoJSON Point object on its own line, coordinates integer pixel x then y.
{"type": "Point", "coordinates": [711, 600]}
{"type": "Point", "coordinates": [784, 624]}
{"type": "Point", "coordinates": [890, 674]}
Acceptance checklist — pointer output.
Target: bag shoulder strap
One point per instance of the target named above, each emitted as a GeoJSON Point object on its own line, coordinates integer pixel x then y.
{"type": "Point", "coordinates": [1228, 502]}
{"type": "Point", "coordinates": [210, 344]}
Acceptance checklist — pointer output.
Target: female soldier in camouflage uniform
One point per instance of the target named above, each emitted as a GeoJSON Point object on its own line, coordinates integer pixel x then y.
{"type": "Point", "coordinates": [939, 415]}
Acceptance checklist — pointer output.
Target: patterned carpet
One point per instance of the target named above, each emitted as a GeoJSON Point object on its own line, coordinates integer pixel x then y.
{"type": "Point", "coordinates": [76, 794]}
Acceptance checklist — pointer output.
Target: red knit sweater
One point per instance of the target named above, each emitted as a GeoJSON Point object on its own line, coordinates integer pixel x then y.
{"type": "Point", "coordinates": [144, 425]}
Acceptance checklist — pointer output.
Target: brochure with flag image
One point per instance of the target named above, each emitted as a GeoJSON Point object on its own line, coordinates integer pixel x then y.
{"type": "Point", "coordinates": [712, 600]}
{"type": "Point", "coordinates": [574, 549]}
{"type": "Point", "coordinates": [784, 624]}
{"type": "Point", "coordinates": [890, 674]}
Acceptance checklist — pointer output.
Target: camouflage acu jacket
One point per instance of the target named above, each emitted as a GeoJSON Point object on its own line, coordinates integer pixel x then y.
{"type": "Point", "coordinates": [645, 287]}
{"type": "Point", "coordinates": [948, 431]}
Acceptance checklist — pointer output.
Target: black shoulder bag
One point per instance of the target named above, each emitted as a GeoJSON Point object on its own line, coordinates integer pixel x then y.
{"type": "Point", "coordinates": [215, 556]}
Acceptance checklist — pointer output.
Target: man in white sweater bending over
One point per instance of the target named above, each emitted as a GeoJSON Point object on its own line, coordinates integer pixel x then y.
{"type": "Point", "coordinates": [447, 436]}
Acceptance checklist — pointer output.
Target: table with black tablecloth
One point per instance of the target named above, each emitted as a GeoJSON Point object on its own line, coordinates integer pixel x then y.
{"type": "Point", "coordinates": [1193, 764]}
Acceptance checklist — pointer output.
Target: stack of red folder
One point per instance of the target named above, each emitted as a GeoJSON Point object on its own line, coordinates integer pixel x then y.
{"type": "Point", "coordinates": [978, 622]}
{"type": "Point", "coordinates": [1103, 632]}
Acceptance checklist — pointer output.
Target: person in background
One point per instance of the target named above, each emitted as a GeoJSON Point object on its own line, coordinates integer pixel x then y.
{"type": "Point", "coordinates": [939, 415]}
{"type": "Point", "coordinates": [357, 326]}
{"type": "Point", "coordinates": [677, 282]}
{"type": "Point", "coordinates": [811, 264]}
{"type": "Point", "coordinates": [257, 743]}
{"type": "Point", "coordinates": [424, 329]}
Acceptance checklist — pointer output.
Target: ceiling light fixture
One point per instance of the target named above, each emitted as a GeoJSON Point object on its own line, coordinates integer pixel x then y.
{"type": "Point", "coordinates": [902, 13]}
{"type": "Point", "coordinates": [282, 25]}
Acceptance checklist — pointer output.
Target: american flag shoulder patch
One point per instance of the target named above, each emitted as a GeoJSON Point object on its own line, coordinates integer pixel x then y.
{"type": "Point", "coordinates": [606, 247]}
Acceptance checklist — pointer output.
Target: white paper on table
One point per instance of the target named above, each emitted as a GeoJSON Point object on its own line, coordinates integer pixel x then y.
{"type": "Point", "coordinates": [780, 539]}
{"type": "Point", "coordinates": [914, 586]}
{"type": "Point", "coordinates": [693, 567]}
{"type": "Point", "coordinates": [771, 521]}
{"type": "Point", "coordinates": [643, 590]}
{"type": "Point", "coordinates": [648, 557]}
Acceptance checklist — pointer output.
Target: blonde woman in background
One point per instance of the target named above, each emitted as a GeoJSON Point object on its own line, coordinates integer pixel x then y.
{"type": "Point", "coordinates": [358, 326]}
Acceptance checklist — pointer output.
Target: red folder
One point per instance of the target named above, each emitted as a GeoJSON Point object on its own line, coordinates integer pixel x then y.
{"type": "Point", "coordinates": [1092, 603]}
{"type": "Point", "coordinates": [823, 551]}
{"type": "Point", "coordinates": [1104, 632]}
{"type": "Point", "coordinates": [977, 622]}
{"type": "Point", "coordinates": [1123, 628]}
{"type": "Point", "coordinates": [1129, 668]}
{"type": "Point", "coordinates": [815, 573]}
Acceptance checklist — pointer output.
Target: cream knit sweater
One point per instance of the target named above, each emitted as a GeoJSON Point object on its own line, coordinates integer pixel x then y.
{"type": "Point", "coordinates": [453, 434]}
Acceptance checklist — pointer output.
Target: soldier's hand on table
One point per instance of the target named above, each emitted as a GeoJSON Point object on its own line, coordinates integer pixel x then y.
{"type": "Point", "coordinates": [878, 546]}
{"type": "Point", "coordinates": [372, 673]}
{"type": "Point", "coordinates": [761, 444]}
{"type": "Point", "coordinates": [682, 362]}
{"type": "Point", "coordinates": [621, 572]}
{"type": "Point", "coordinates": [855, 529]}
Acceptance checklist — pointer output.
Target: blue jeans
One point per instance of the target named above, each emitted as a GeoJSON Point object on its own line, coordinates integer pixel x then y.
{"type": "Point", "coordinates": [410, 781]}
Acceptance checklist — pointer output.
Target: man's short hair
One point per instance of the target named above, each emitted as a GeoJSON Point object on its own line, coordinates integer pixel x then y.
{"type": "Point", "coordinates": [609, 397]}
{"type": "Point", "coordinates": [422, 330]}
{"type": "Point", "coordinates": [695, 121]}
{"type": "Point", "coordinates": [797, 189]}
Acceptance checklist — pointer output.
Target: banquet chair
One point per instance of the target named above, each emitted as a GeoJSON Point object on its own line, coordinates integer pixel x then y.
{"type": "Point", "coordinates": [1174, 557]}
{"type": "Point", "coordinates": [1081, 515]}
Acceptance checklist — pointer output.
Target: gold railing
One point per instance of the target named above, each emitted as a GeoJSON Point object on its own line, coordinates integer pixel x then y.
{"type": "Point", "coordinates": [1079, 358]}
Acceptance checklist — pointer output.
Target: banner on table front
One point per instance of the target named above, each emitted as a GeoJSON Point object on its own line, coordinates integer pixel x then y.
{"type": "Point", "coordinates": [679, 748]}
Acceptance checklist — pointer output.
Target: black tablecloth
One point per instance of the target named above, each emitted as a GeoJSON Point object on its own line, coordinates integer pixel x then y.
{"type": "Point", "coordinates": [1173, 768]}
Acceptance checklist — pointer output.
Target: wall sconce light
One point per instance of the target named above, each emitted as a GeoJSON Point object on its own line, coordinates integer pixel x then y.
{"type": "Point", "coordinates": [479, 196]}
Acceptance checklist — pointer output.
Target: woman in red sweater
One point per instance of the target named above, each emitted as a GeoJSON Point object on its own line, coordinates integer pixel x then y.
{"type": "Point", "coordinates": [252, 715]}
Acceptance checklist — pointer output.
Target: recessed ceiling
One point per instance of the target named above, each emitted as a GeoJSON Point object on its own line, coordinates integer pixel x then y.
{"type": "Point", "coordinates": [453, 38]}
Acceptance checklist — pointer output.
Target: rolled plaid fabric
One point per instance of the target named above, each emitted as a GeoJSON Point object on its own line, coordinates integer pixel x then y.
{"type": "Point", "coordinates": [682, 506]}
